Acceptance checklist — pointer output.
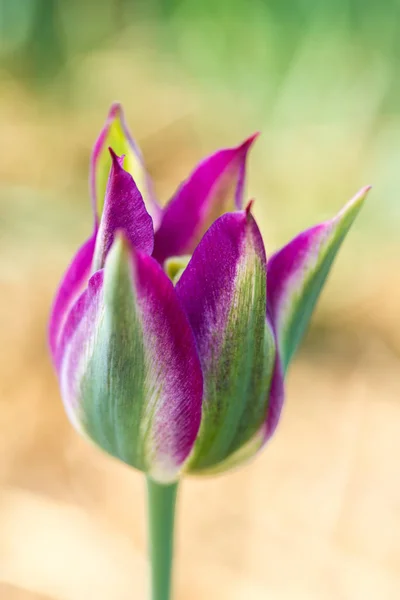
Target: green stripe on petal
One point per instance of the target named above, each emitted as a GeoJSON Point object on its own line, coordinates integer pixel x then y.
{"type": "Point", "coordinates": [223, 291]}
{"type": "Point", "coordinates": [297, 273]}
{"type": "Point", "coordinates": [142, 389]}
{"type": "Point", "coordinates": [241, 456]}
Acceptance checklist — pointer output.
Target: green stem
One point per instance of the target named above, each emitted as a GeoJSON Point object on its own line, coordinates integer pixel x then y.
{"type": "Point", "coordinates": [161, 512]}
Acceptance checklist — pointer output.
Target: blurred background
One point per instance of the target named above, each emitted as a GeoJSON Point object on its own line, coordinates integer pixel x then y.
{"type": "Point", "coordinates": [317, 516]}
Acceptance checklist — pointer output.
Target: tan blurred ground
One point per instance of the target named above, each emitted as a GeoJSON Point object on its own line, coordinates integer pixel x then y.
{"type": "Point", "coordinates": [316, 517]}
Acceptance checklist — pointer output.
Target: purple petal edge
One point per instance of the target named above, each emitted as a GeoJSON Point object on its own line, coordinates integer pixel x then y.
{"type": "Point", "coordinates": [124, 210]}
{"type": "Point", "coordinates": [72, 351]}
{"type": "Point", "coordinates": [208, 283]}
{"type": "Point", "coordinates": [171, 342]}
{"type": "Point", "coordinates": [276, 399]}
{"type": "Point", "coordinates": [291, 266]}
{"type": "Point", "coordinates": [198, 201]}
{"type": "Point", "coordinates": [69, 289]}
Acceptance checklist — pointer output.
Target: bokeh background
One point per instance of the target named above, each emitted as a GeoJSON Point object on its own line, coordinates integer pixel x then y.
{"type": "Point", "coordinates": [317, 516]}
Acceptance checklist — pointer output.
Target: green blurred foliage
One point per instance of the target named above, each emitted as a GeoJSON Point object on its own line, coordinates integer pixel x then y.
{"type": "Point", "coordinates": [226, 36]}
{"type": "Point", "coordinates": [318, 78]}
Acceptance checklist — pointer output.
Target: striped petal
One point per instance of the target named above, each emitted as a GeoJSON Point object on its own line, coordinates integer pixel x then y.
{"type": "Point", "coordinates": [71, 286]}
{"type": "Point", "coordinates": [136, 379]}
{"type": "Point", "coordinates": [116, 134]}
{"type": "Point", "coordinates": [216, 186]}
{"type": "Point", "coordinates": [297, 272]}
{"type": "Point", "coordinates": [257, 441]}
{"type": "Point", "coordinates": [124, 210]}
{"type": "Point", "coordinates": [223, 291]}
{"type": "Point", "coordinates": [76, 346]}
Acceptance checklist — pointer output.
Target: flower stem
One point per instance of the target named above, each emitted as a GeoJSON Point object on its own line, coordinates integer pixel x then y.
{"type": "Point", "coordinates": [161, 512]}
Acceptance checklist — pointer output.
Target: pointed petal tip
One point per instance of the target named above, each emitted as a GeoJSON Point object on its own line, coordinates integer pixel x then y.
{"type": "Point", "coordinates": [361, 194]}
{"type": "Point", "coordinates": [248, 142]}
{"type": "Point", "coordinates": [118, 161]}
{"type": "Point", "coordinates": [252, 138]}
{"type": "Point", "coordinates": [354, 204]}
{"type": "Point", "coordinates": [249, 208]}
{"type": "Point", "coordinates": [297, 272]}
{"type": "Point", "coordinates": [116, 110]}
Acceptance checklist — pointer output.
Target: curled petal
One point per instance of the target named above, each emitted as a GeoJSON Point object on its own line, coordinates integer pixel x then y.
{"type": "Point", "coordinates": [223, 291]}
{"type": "Point", "coordinates": [124, 210]}
{"type": "Point", "coordinates": [116, 134]}
{"type": "Point", "coordinates": [140, 385]}
{"type": "Point", "coordinates": [297, 272]}
{"type": "Point", "coordinates": [216, 186]}
{"type": "Point", "coordinates": [71, 286]}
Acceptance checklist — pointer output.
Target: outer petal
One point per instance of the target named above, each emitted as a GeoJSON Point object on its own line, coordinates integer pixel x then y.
{"type": "Point", "coordinates": [297, 272]}
{"type": "Point", "coordinates": [253, 446]}
{"type": "Point", "coordinates": [215, 187]}
{"type": "Point", "coordinates": [137, 388]}
{"type": "Point", "coordinates": [71, 286]}
{"type": "Point", "coordinates": [77, 343]}
{"type": "Point", "coordinates": [223, 291]}
{"type": "Point", "coordinates": [116, 134]}
{"type": "Point", "coordinates": [123, 210]}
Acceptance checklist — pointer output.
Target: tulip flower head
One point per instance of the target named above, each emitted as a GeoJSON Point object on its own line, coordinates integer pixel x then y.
{"type": "Point", "coordinates": [171, 332]}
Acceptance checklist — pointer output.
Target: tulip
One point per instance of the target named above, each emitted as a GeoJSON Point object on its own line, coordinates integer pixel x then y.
{"type": "Point", "coordinates": [170, 332]}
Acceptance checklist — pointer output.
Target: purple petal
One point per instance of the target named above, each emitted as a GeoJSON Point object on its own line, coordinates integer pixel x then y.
{"type": "Point", "coordinates": [69, 289]}
{"type": "Point", "coordinates": [128, 365]}
{"type": "Point", "coordinates": [76, 345]}
{"type": "Point", "coordinates": [124, 210]}
{"type": "Point", "coordinates": [215, 187]}
{"type": "Point", "coordinates": [276, 399]}
{"type": "Point", "coordinates": [223, 291]}
{"type": "Point", "coordinates": [116, 134]}
{"type": "Point", "coordinates": [297, 272]}
{"type": "Point", "coordinates": [175, 369]}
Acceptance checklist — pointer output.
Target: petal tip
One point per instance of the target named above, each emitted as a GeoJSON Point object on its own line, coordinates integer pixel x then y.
{"type": "Point", "coordinates": [245, 146]}
{"type": "Point", "coordinates": [250, 140]}
{"type": "Point", "coordinates": [118, 161]}
{"type": "Point", "coordinates": [115, 111]}
{"type": "Point", "coordinates": [249, 208]}
{"type": "Point", "coordinates": [354, 205]}
{"type": "Point", "coordinates": [361, 195]}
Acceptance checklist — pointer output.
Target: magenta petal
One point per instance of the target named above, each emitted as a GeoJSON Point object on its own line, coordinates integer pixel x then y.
{"type": "Point", "coordinates": [124, 210]}
{"type": "Point", "coordinates": [174, 372]}
{"type": "Point", "coordinates": [127, 361]}
{"type": "Point", "coordinates": [215, 187]}
{"type": "Point", "coordinates": [207, 285]}
{"type": "Point", "coordinates": [69, 289]}
{"type": "Point", "coordinates": [76, 344]}
{"type": "Point", "coordinates": [276, 399]}
{"type": "Point", "coordinates": [223, 291]}
{"type": "Point", "coordinates": [297, 272]}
